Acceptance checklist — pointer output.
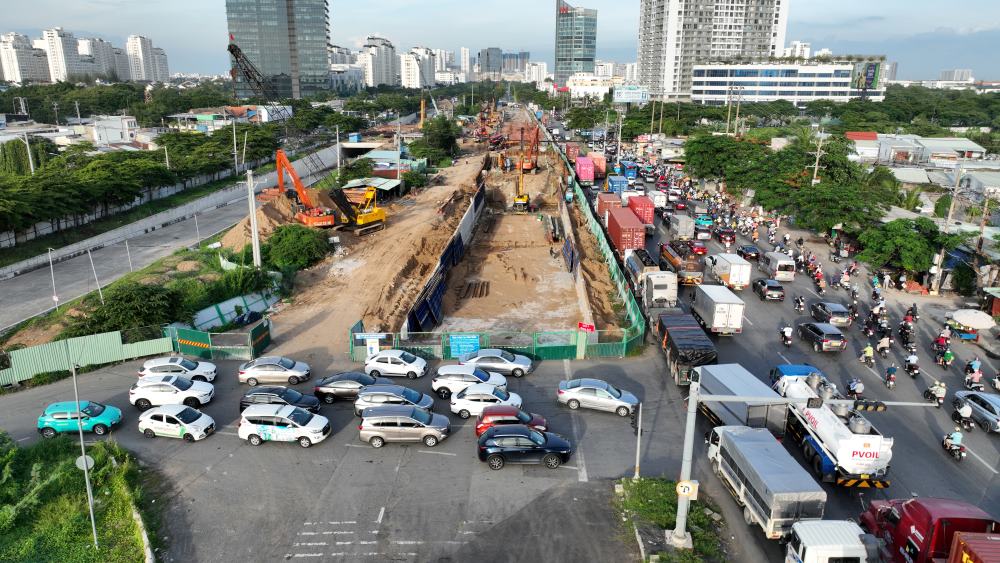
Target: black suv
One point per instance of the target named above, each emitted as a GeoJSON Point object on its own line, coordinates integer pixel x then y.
{"type": "Point", "coordinates": [277, 395]}
{"type": "Point", "coordinates": [769, 290]}
{"type": "Point", "coordinates": [516, 443]}
{"type": "Point", "coordinates": [345, 385]}
{"type": "Point", "coordinates": [824, 337]}
{"type": "Point", "coordinates": [833, 313]}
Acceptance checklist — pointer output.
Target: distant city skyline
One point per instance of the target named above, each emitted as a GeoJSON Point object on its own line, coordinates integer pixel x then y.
{"type": "Point", "coordinates": [921, 37]}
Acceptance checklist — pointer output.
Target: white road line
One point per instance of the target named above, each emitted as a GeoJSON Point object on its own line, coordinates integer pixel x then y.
{"type": "Point", "coordinates": [307, 555]}
{"type": "Point", "coordinates": [367, 542]}
{"type": "Point", "coordinates": [811, 291]}
{"type": "Point", "coordinates": [747, 320]}
{"type": "Point", "coordinates": [381, 513]}
{"type": "Point", "coordinates": [343, 522]}
{"type": "Point", "coordinates": [223, 432]}
{"type": "Point", "coordinates": [407, 542]}
{"type": "Point", "coordinates": [356, 446]}
{"type": "Point", "coordinates": [569, 467]}
{"type": "Point", "coordinates": [438, 453]}
{"type": "Point", "coordinates": [343, 543]}
{"type": "Point", "coordinates": [23, 439]}
{"type": "Point", "coordinates": [981, 460]}
{"type": "Point", "coordinates": [581, 475]}
{"type": "Point", "coordinates": [308, 533]}
{"type": "Point", "coordinates": [784, 358]}
{"type": "Point", "coordinates": [297, 544]}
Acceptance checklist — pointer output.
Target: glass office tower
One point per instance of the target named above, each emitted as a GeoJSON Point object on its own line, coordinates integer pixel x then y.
{"type": "Point", "coordinates": [576, 41]}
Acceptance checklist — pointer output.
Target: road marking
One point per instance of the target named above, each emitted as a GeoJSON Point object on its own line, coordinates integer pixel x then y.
{"type": "Point", "coordinates": [343, 543]}
{"type": "Point", "coordinates": [226, 433]}
{"type": "Point", "coordinates": [23, 439]}
{"type": "Point", "coordinates": [581, 475]}
{"type": "Point", "coordinates": [981, 460]}
{"type": "Point", "coordinates": [569, 467]}
{"type": "Point", "coordinates": [811, 291]}
{"type": "Point", "coordinates": [356, 446]}
{"type": "Point", "coordinates": [381, 513]}
{"type": "Point", "coordinates": [407, 542]}
{"type": "Point", "coordinates": [344, 522]}
{"type": "Point", "coordinates": [747, 320]}
{"type": "Point", "coordinates": [296, 544]}
{"type": "Point", "coordinates": [307, 555]}
{"type": "Point", "coordinates": [784, 358]}
{"type": "Point", "coordinates": [367, 542]}
{"type": "Point", "coordinates": [438, 453]}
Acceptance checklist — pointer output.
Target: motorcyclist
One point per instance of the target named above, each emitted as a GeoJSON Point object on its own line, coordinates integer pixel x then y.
{"type": "Point", "coordinates": [946, 332]}
{"type": "Point", "coordinates": [868, 353]}
{"type": "Point", "coordinates": [855, 387]}
{"type": "Point", "coordinates": [947, 357]}
{"type": "Point", "coordinates": [964, 411]}
{"type": "Point", "coordinates": [912, 311]}
{"type": "Point", "coordinates": [883, 344]}
{"type": "Point", "coordinates": [852, 310]}
{"type": "Point", "coordinates": [786, 333]}
{"type": "Point", "coordinates": [800, 303]}
{"type": "Point", "coordinates": [940, 343]}
{"type": "Point", "coordinates": [973, 366]}
{"type": "Point", "coordinates": [890, 372]}
{"type": "Point", "coordinates": [939, 389]}
{"type": "Point", "coordinates": [973, 378]}
{"type": "Point", "coordinates": [954, 439]}
{"type": "Point", "coordinates": [911, 360]}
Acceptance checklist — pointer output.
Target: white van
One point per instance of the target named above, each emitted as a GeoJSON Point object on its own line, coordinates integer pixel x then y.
{"type": "Point", "coordinates": [778, 266]}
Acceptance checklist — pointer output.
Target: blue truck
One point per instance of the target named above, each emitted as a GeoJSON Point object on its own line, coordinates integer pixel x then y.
{"type": "Point", "coordinates": [617, 183]}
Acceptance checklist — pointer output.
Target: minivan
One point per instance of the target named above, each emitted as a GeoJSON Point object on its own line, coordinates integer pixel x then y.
{"type": "Point", "coordinates": [778, 266]}
{"type": "Point", "coordinates": [402, 423]}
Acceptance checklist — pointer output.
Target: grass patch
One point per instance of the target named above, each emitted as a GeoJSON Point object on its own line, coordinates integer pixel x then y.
{"type": "Point", "coordinates": [654, 501]}
{"type": "Point", "coordinates": [43, 503]}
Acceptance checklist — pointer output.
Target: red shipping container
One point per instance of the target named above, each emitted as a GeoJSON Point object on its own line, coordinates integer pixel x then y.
{"type": "Point", "coordinates": [967, 547]}
{"type": "Point", "coordinates": [606, 201]}
{"type": "Point", "coordinates": [584, 171]}
{"type": "Point", "coordinates": [572, 151]}
{"type": "Point", "coordinates": [627, 233]}
{"type": "Point", "coordinates": [600, 164]}
{"type": "Point", "coordinates": [643, 208]}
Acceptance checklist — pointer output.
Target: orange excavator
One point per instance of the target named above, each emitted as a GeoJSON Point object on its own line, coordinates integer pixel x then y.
{"type": "Point", "coordinates": [306, 212]}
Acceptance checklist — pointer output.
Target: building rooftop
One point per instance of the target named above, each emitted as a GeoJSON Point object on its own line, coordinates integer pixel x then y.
{"type": "Point", "coordinates": [949, 144]}
{"type": "Point", "coordinates": [861, 135]}
{"type": "Point", "coordinates": [911, 175]}
{"type": "Point", "coordinates": [384, 184]}
{"type": "Point", "coordinates": [989, 178]}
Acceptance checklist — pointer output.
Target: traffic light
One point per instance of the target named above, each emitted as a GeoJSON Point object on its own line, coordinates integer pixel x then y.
{"type": "Point", "coordinates": [870, 406]}
{"type": "Point", "coordinates": [635, 424]}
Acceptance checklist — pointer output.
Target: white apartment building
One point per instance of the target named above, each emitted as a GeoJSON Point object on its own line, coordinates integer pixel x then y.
{"type": "Point", "coordinates": [604, 68]}
{"type": "Point", "coordinates": [443, 59]}
{"type": "Point", "coordinates": [536, 72]}
{"type": "Point", "coordinates": [631, 72]}
{"type": "Point", "coordinates": [416, 68]}
{"type": "Point", "coordinates": [675, 35]}
{"type": "Point", "coordinates": [20, 62]}
{"type": "Point", "coordinates": [161, 70]}
{"type": "Point", "coordinates": [448, 77]}
{"type": "Point", "coordinates": [464, 60]}
{"type": "Point", "coordinates": [715, 84]}
{"type": "Point", "coordinates": [342, 55]}
{"type": "Point", "coordinates": [956, 75]}
{"type": "Point", "coordinates": [797, 50]}
{"type": "Point", "coordinates": [112, 130]}
{"type": "Point", "coordinates": [584, 85]}
{"type": "Point", "coordinates": [347, 77]}
{"type": "Point", "coordinates": [140, 58]}
{"type": "Point", "coordinates": [100, 53]}
{"type": "Point", "coordinates": [379, 61]}
{"type": "Point", "coordinates": [122, 67]}
{"type": "Point", "coordinates": [61, 49]}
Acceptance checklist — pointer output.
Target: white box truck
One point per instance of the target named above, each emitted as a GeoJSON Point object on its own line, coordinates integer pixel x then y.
{"type": "Point", "coordinates": [681, 227]}
{"type": "Point", "coordinates": [772, 487]}
{"type": "Point", "coordinates": [830, 541]}
{"type": "Point", "coordinates": [658, 198]}
{"type": "Point", "coordinates": [731, 270]}
{"type": "Point", "coordinates": [718, 309]}
{"type": "Point", "coordinates": [734, 379]}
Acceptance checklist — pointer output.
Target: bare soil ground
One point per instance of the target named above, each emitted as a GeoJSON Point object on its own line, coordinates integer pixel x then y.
{"type": "Point", "coordinates": [378, 276]}
{"type": "Point", "coordinates": [512, 279]}
{"type": "Point", "coordinates": [601, 291]}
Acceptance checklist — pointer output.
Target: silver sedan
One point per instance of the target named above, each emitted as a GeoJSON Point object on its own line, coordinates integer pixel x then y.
{"type": "Point", "coordinates": [273, 369]}
{"type": "Point", "coordinates": [596, 394]}
{"type": "Point", "coordinates": [501, 361]}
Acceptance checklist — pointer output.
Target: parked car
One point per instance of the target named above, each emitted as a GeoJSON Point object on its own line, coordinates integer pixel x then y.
{"type": "Point", "coordinates": [176, 421]}
{"type": "Point", "coordinates": [748, 252]}
{"type": "Point", "coordinates": [501, 415]}
{"type": "Point", "coordinates": [273, 369]}
{"type": "Point", "coordinates": [473, 399]}
{"type": "Point", "coordinates": [282, 423]}
{"type": "Point", "coordinates": [453, 378]}
{"type": "Point", "coordinates": [824, 337]}
{"type": "Point", "coordinates": [501, 361]}
{"type": "Point", "coordinates": [768, 290]}
{"type": "Point", "coordinates": [833, 313]}
{"type": "Point", "coordinates": [176, 365]}
{"type": "Point", "coordinates": [395, 362]}
{"type": "Point", "coordinates": [277, 395]}
{"type": "Point", "coordinates": [402, 423]}
{"type": "Point", "coordinates": [985, 408]}
{"type": "Point", "coordinates": [378, 395]}
{"type": "Point", "coordinates": [345, 385]}
{"type": "Point", "coordinates": [596, 394]}
{"type": "Point", "coordinates": [62, 417]}
{"type": "Point", "coordinates": [155, 390]}
{"type": "Point", "coordinates": [516, 443]}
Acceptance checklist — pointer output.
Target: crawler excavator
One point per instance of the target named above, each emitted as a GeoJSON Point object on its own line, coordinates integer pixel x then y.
{"type": "Point", "coordinates": [522, 203]}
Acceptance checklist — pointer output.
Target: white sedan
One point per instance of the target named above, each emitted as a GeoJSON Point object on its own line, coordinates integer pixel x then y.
{"type": "Point", "coordinates": [176, 421]}
{"type": "Point", "coordinates": [451, 379]}
{"type": "Point", "coordinates": [395, 362]}
{"type": "Point", "coordinates": [473, 399]}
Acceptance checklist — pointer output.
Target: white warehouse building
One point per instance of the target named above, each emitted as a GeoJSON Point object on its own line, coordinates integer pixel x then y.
{"type": "Point", "coordinates": [796, 83]}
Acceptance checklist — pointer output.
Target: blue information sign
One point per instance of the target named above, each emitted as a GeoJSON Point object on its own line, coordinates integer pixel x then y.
{"type": "Point", "coordinates": [463, 343]}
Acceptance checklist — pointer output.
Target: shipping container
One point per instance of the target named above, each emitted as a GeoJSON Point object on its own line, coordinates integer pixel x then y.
{"type": "Point", "coordinates": [617, 184]}
{"type": "Point", "coordinates": [626, 232]}
{"type": "Point", "coordinates": [644, 209]}
{"type": "Point", "coordinates": [572, 151]}
{"type": "Point", "coordinates": [538, 114]}
{"type": "Point", "coordinates": [967, 547]}
{"type": "Point", "coordinates": [584, 171]}
{"type": "Point", "coordinates": [354, 137]}
{"type": "Point", "coordinates": [600, 164]}
{"type": "Point", "coordinates": [606, 201]}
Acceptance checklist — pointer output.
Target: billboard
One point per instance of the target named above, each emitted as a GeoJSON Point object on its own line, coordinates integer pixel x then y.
{"type": "Point", "coordinates": [630, 94]}
{"type": "Point", "coordinates": [866, 76]}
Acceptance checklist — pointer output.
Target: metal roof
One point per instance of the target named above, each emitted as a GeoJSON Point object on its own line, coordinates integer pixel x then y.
{"type": "Point", "coordinates": [828, 533]}
{"type": "Point", "coordinates": [988, 178]}
{"type": "Point", "coordinates": [911, 175]}
{"type": "Point", "coordinates": [945, 144]}
{"type": "Point", "coordinates": [377, 183]}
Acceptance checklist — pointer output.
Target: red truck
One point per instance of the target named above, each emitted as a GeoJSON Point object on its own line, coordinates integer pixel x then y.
{"type": "Point", "coordinates": [572, 151]}
{"type": "Point", "coordinates": [644, 209]}
{"type": "Point", "coordinates": [600, 164]}
{"type": "Point", "coordinates": [585, 171]}
{"type": "Point", "coordinates": [626, 232]}
{"type": "Point", "coordinates": [605, 202]}
{"type": "Point", "coordinates": [975, 548]}
{"type": "Point", "coordinates": [921, 530]}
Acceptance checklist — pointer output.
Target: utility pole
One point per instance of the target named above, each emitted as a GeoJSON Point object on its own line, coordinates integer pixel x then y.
{"type": "Point", "coordinates": [52, 272]}
{"type": "Point", "coordinates": [166, 155]}
{"type": "Point", "coordinates": [55, 108]}
{"type": "Point", "coordinates": [819, 153]}
{"type": "Point", "coordinates": [638, 436]}
{"type": "Point", "coordinates": [659, 128]}
{"type": "Point", "coordinates": [236, 154]}
{"type": "Point", "coordinates": [243, 157]}
{"type": "Point", "coordinates": [254, 234]}
{"type": "Point", "coordinates": [939, 263]}
{"type": "Point", "coordinates": [652, 115]}
{"type": "Point", "coordinates": [78, 120]}
{"type": "Point", "coordinates": [729, 106]}
{"type": "Point", "coordinates": [739, 98]}
{"type": "Point", "coordinates": [338, 148]}
{"type": "Point", "coordinates": [93, 269]}
{"type": "Point", "coordinates": [84, 461]}
{"type": "Point", "coordinates": [982, 226]}
{"type": "Point", "coordinates": [31, 159]}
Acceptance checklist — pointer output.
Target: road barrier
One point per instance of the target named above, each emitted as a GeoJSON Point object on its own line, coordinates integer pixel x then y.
{"type": "Point", "coordinates": [221, 346]}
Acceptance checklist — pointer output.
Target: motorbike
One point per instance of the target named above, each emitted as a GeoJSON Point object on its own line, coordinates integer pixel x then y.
{"type": "Point", "coordinates": [974, 385]}
{"type": "Point", "coordinates": [967, 424]}
{"type": "Point", "coordinates": [913, 370]}
{"type": "Point", "coordinates": [869, 330]}
{"type": "Point", "coordinates": [943, 362]}
{"type": "Point", "coordinates": [800, 305]}
{"type": "Point", "coordinates": [786, 340]}
{"type": "Point", "coordinates": [930, 397]}
{"type": "Point", "coordinates": [957, 452]}
{"type": "Point", "coordinates": [889, 380]}
{"type": "Point", "coordinates": [883, 352]}
{"type": "Point", "coordinates": [855, 389]}
{"type": "Point", "coordinates": [835, 258]}
{"type": "Point", "coordinates": [867, 360]}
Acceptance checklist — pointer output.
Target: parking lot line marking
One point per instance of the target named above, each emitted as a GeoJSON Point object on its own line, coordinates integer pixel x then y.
{"type": "Point", "coordinates": [342, 523]}
{"type": "Point", "coordinates": [308, 533]}
{"type": "Point", "coordinates": [981, 460]}
{"type": "Point", "coordinates": [297, 544]}
{"type": "Point", "coordinates": [226, 433]}
{"type": "Point", "coordinates": [407, 542]}
{"type": "Point", "coordinates": [582, 473]}
{"type": "Point", "coordinates": [307, 555]}
{"type": "Point", "coordinates": [331, 532]}
{"type": "Point", "coordinates": [366, 542]}
{"type": "Point", "coordinates": [381, 513]}
{"type": "Point", "coordinates": [356, 446]}
{"type": "Point", "coordinates": [784, 358]}
{"type": "Point", "coordinates": [569, 467]}
{"type": "Point", "coordinates": [438, 453]}
{"type": "Point", "coordinates": [343, 543]}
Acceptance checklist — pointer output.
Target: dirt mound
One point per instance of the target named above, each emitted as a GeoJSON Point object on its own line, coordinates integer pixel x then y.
{"type": "Point", "coordinates": [35, 335]}
{"type": "Point", "coordinates": [270, 216]}
{"type": "Point", "coordinates": [189, 266]}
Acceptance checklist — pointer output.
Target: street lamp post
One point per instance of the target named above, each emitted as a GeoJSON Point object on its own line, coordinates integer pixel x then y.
{"type": "Point", "coordinates": [83, 448]}
{"type": "Point", "coordinates": [52, 271]}
{"type": "Point", "coordinates": [31, 160]}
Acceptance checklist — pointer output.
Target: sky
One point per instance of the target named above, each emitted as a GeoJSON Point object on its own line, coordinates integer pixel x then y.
{"type": "Point", "coordinates": [923, 36]}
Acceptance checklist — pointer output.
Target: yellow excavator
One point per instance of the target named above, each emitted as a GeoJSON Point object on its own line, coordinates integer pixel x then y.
{"type": "Point", "coordinates": [360, 217]}
{"type": "Point", "coordinates": [521, 199]}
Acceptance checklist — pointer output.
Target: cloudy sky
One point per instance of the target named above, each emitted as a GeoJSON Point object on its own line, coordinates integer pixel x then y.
{"type": "Point", "coordinates": [921, 35]}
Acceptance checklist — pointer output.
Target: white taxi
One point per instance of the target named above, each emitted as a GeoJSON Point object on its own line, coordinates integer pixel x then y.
{"type": "Point", "coordinates": [282, 423]}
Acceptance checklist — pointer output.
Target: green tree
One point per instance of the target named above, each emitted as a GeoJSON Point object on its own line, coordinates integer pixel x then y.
{"type": "Point", "coordinates": [442, 134]}
{"type": "Point", "coordinates": [294, 247]}
{"type": "Point", "coordinates": [941, 206]}
{"type": "Point", "coordinates": [129, 305]}
{"type": "Point", "coordinates": [909, 244]}
{"type": "Point", "coordinates": [414, 179]}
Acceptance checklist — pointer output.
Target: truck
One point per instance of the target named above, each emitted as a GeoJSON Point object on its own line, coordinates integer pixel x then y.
{"type": "Point", "coordinates": [687, 265]}
{"type": "Point", "coordinates": [840, 444]}
{"type": "Point", "coordinates": [773, 489]}
{"type": "Point", "coordinates": [734, 379]}
{"type": "Point", "coordinates": [600, 164]}
{"type": "Point", "coordinates": [644, 209]}
{"type": "Point", "coordinates": [731, 270]}
{"type": "Point", "coordinates": [617, 184]}
{"type": "Point", "coordinates": [584, 171]}
{"type": "Point", "coordinates": [718, 309]}
{"type": "Point", "coordinates": [605, 202]}
{"type": "Point", "coordinates": [681, 227]}
{"type": "Point", "coordinates": [684, 344]}
{"type": "Point", "coordinates": [639, 264]}
{"type": "Point", "coordinates": [967, 547]}
{"type": "Point", "coordinates": [696, 207]}
{"type": "Point", "coordinates": [572, 149]}
{"type": "Point", "coordinates": [921, 529]}
{"type": "Point", "coordinates": [830, 541]}
{"type": "Point", "coordinates": [625, 231]}
{"type": "Point", "coordinates": [659, 291]}
{"type": "Point", "coordinates": [629, 193]}
{"type": "Point", "coordinates": [658, 198]}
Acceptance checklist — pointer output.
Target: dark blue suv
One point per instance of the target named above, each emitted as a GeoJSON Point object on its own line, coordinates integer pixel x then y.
{"type": "Point", "coordinates": [517, 443]}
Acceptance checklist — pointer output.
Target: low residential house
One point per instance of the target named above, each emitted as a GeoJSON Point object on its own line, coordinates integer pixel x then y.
{"type": "Point", "coordinates": [949, 149]}
{"type": "Point", "coordinates": [866, 145]}
{"type": "Point", "coordinates": [985, 182]}
{"type": "Point", "coordinates": [108, 130]}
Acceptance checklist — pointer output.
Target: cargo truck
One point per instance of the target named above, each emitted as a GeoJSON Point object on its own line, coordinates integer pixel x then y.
{"type": "Point", "coordinates": [830, 541]}
{"type": "Point", "coordinates": [731, 270]}
{"type": "Point", "coordinates": [600, 164]}
{"type": "Point", "coordinates": [584, 171]}
{"type": "Point", "coordinates": [658, 198]}
{"type": "Point", "coordinates": [605, 202]}
{"type": "Point", "coordinates": [773, 489]}
{"type": "Point", "coordinates": [617, 184]}
{"type": "Point", "coordinates": [734, 379]}
{"type": "Point", "coordinates": [659, 291]}
{"type": "Point", "coordinates": [687, 265]}
{"type": "Point", "coordinates": [974, 548]}
{"type": "Point", "coordinates": [719, 310]}
{"type": "Point", "coordinates": [839, 443]}
{"type": "Point", "coordinates": [681, 227]}
{"type": "Point", "coordinates": [696, 208]}
{"type": "Point", "coordinates": [638, 264]}
{"type": "Point", "coordinates": [628, 193]}
{"type": "Point", "coordinates": [644, 210]}
{"type": "Point", "coordinates": [572, 149]}
{"type": "Point", "coordinates": [923, 530]}
{"type": "Point", "coordinates": [625, 230]}
{"type": "Point", "coordinates": [684, 344]}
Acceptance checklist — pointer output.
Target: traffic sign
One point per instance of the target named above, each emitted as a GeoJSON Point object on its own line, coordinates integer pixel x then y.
{"type": "Point", "coordinates": [688, 489]}
{"type": "Point", "coordinates": [84, 459]}
{"type": "Point", "coordinates": [585, 327]}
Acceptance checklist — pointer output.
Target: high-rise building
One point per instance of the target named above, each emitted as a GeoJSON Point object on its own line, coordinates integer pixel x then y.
{"type": "Point", "coordinates": [465, 63]}
{"type": "Point", "coordinates": [491, 62]}
{"type": "Point", "coordinates": [416, 68]}
{"type": "Point", "coordinates": [161, 70]}
{"type": "Point", "coordinates": [889, 71]}
{"type": "Point", "coordinates": [536, 72]}
{"type": "Point", "coordinates": [515, 62]}
{"type": "Point", "coordinates": [605, 68]}
{"type": "Point", "coordinates": [102, 55]}
{"type": "Point", "coordinates": [63, 55]}
{"type": "Point", "coordinates": [956, 75]}
{"type": "Point", "coordinates": [21, 62]}
{"type": "Point", "coordinates": [286, 40]}
{"type": "Point", "coordinates": [576, 41]}
{"type": "Point", "coordinates": [443, 59]}
{"type": "Point", "coordinates": [797, 50]}
{"type": "Point", "coordinates": [342, 55]}
{"type": "Point", "coordinates": [122, 68]}
{"type": "Point", "coordinates": [674, 35]}
{"type": "Point", "coordinates": [140, 58]}
{"type": "Point", "coordinates": [379, 61]}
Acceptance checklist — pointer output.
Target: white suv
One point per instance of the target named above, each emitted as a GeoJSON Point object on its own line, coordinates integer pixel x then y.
{"type": "Point", "coordinates": [176, 365]}
{"type": "Point", "coordinates": [473, 399]}
{"type": "Point", "coordinates": [155, 390]}
{"type": "Point", "coordinates": [282, 423]}
{"type": "Point", "coordinates": [452, 379]}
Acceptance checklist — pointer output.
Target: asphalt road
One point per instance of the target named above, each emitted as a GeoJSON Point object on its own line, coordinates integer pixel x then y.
{"type": "Point", "coordinates": [30, 294]}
